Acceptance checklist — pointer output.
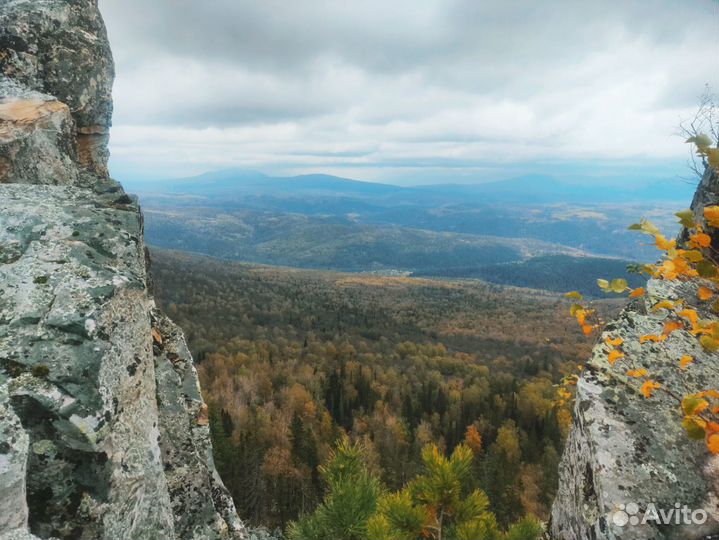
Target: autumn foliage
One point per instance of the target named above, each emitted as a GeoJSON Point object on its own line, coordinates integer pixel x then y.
{"type": "Point", "coordinates": [694, 260]}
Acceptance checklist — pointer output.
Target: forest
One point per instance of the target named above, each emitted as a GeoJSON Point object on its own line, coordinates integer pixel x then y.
{"type": "Point", "coordinates": [306, 369]}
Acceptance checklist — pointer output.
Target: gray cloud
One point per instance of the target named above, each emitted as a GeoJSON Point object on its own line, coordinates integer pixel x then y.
{"type": "Point", "coordinates": [365, 85]}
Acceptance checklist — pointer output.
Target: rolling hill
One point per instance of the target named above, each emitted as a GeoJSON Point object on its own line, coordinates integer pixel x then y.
{"type": "Point", "coordinates": [532, 231]}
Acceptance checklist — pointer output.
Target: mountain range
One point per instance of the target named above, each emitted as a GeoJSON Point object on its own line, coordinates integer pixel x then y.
{"type": "Point", "coordinates": [527, 189]}
{"type": "Point", "coordinates": [533, 230]}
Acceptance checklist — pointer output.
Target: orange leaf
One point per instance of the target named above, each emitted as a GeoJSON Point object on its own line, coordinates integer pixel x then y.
{"type": "Point", "coordinates": [713, 443]}
{"type": "Point", "coordinates": [587, 329]}
{"type": "Point", "coordinates": [703, 405]}
{"type": "Point", "coordinates": [702, 330]}
{"type": "Point", "coordinates": [711, 214]}
{"type": "Point", "coordinates": [701, 240]}
{"type": "Point", "coordinates": [685, 361]}
{"type": "Point", "coordinates": [636, 293]}
{"type": "Point", "coordinates": [709, 393]}
{"type": "Point", "coordinates": [616, 342]}
{"type": "Point", "coordinates": [655, 339]}
{"type": "Point", "coordinates": [691, 315]}
{"type": "Point", "coordinates": [648, 388]}
{"type": "Point", "coordinates": [704, 293]}
{"type": "Point", "coordinates": [637, 372]}
{"type": "Point", "coordinates": [614, 356]}
{"type": "Point", "coordinates": [712, 427]}
{"type": "Point", "coordinates": [671, 326]}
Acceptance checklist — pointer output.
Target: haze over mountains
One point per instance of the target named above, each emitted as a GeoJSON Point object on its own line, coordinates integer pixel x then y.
{"type": "Point", "coordinates": [526, 189]}
{"type": "Point", "coordinates": [533, 230]}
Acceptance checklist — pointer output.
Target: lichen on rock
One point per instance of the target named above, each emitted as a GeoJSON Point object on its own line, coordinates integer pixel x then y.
{"type": "Point", "coordinates": [100, 425]}
{"type": "Point", "coordinates": [627, 455]}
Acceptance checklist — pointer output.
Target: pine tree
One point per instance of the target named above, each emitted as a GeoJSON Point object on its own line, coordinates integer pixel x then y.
{"type": "Point", "coordinates": [352, 494]}
{"type": "Point", "coordinates": [436, 504]}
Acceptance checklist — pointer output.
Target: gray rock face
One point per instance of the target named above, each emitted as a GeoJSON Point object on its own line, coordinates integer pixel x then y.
{"type": "Point", "coordinates": [60, 48]}
{"type": "Point", "coordinates": [103, 431]}
{"type": "Point", "coordinates": [626, 455]}
{"type": "Point", "coordinates": [37, 137]}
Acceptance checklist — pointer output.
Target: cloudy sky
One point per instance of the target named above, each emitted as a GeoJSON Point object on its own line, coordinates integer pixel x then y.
{"type": "Point", "coordinates": [407, 90]}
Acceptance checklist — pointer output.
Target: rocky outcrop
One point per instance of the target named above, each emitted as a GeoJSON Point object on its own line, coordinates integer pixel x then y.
{"type": "Point", "coordinates": [103, 430]}
{"type": "Point", "coordinates": [628, 458]}
{"type": "Point", "coordinates": [60, 48]}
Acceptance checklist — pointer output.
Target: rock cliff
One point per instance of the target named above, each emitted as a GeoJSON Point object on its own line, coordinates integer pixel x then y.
{"type": "Point", "coordinates": [628, 457]}
{"type": "Point", "coordinates": [103, 431]}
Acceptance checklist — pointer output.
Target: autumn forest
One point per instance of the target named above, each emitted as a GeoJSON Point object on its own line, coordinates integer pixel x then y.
{"type": "Point", "coordinates": [303, 368]}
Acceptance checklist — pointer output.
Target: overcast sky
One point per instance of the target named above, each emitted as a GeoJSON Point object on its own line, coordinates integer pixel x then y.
{"type": "Point", "coordinates": [407, 90]}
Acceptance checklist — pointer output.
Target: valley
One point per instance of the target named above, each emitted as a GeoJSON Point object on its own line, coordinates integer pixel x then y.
{"type": "Point", "coordinates": [292, 359]}
{"type": "Point", "coordinates": [532, 231]}
{"type": "Point", "coordinates": [323, 310]}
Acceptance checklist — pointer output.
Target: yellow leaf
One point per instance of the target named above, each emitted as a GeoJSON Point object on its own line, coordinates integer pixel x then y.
{"type": "Point", "coordinates": [664, 304]}
{"type": "Point", "coordinates": [706, 269]}
{"type": "Point", "coordinates": [704, 293]}
{"type": "Point", "coordinates": [636, 293]}
{"type": "Point", "coordinates": [648, 388]}
{"type": "Point", "coordinates": [702, 140]}
{"type": "Point", "coordinates": [694, 426]}
{"type": "Point", "coordinates": [663, 243]}
{"type": "Point", "coordinates": [576, 295]}
{"type": "Point", "coordinates": [616, 342]}
{"type": "Point", "coordinates": [709, 343]}
{"type": "Point", "coordinates": [692, 255]}
{"type": "Point", "coordinates": [713, 157]}
{"type": "Point", "coordinates": [614, 355]}
{"type": "Point", "coordinates": [675, 267]}
{"type": "Point", "coordinates": [702, 330]}
{"type": "Point", "coordinates": [617, 285]}
{"type": "Point", "coordinates": [685, 361]}
{"type": "Point", "coordinates": [686, 218]}
{"type": "Point", "coordinates": [637, 372]}
{"type": "Point", "coordinates": [711, 214]}
{"type": "Point", "coordinates": [645, 227]}
{"type": "Point", "coordinates": [692, 405]}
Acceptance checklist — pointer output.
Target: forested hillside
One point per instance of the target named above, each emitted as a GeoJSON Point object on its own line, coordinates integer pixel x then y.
{"type": "Point", "coordinates": [320, 221]}
{"type": "Point", "coordinates": [290, 360]}
{"type": "Point", "coordinates": [558, 273]}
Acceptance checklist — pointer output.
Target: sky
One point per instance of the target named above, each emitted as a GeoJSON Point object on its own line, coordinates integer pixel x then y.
{"type": "Point", "coordinates": [408, 91]}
